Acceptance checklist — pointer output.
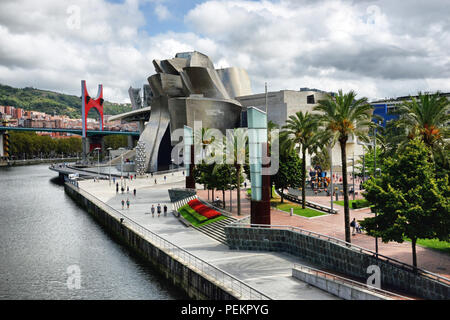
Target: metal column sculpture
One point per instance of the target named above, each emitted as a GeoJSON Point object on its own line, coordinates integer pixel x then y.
{"type": "Point", "coordinates": [188, 154]}
{"type": "Point", "coordinates": [257, 136]}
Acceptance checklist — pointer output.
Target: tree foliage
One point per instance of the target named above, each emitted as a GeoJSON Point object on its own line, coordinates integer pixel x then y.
{"type": "Point", "coordinates": [408, 199]}
{"type": "Point", "coordinates": [30, 144]}
{"type": "Point", "coordinates": [289, 174]}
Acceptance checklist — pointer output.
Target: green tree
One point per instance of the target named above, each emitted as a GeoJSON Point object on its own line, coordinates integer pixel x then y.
{"type": "Point", "coordinates": [222, 179]}
{"type": "Point", "coordinates": [426, 117]}
{"type": "Point", "coordinates": [115, 141]}
{"type": "Point", "coordinates": [344, 116]}
{"type": "Point", "coordinates": [409, 200]}
{"type": "Point", "coordinates": [302, 130]}
{"type": "Point", "coordinates": [289, 174]}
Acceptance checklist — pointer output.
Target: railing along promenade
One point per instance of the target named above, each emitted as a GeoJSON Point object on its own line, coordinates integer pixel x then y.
{"type": "Point", "coordinates": [223, 278]}
{"type": "Point", "coordinates": [342, 243]}
{"type": "Point", "coordinates": [351, 283]}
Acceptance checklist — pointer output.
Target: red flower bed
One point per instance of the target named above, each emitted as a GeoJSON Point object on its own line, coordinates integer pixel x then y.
{"type": "Point", "coordinates": [202, 209]}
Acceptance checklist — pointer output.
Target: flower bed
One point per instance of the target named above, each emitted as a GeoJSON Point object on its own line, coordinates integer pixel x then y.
{"type": "Point", "coordinates": [202, 209]}
{"type": "Point", "coordinates": [187, 210]}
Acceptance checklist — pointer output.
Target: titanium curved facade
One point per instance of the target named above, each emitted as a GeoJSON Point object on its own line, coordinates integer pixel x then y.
{"type": "Point", "coordinates": [185, 89]}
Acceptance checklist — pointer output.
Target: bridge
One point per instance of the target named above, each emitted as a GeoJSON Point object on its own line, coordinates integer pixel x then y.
{"type": "Point", "coordinates": [73, 131]}
{"type": "Point", "coordinates": [94, 137]}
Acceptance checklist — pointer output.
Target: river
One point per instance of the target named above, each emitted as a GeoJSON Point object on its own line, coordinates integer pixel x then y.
{"type": "Point", "coordinates": [52, 249]}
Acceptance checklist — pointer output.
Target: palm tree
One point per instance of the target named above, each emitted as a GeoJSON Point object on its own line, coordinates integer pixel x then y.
{"type": "Point", "coordinates": [342, 117]}
{"type": "Point", "coordinates": [426, 117]}
{"type": "Point", "coordinates": [238, 143]}
{"type": "Point", "coordinates": [302, 128]}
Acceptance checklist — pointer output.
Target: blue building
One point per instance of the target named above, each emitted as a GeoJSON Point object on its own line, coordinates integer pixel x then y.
{"type": "Point", "coordinates": [385, 111]}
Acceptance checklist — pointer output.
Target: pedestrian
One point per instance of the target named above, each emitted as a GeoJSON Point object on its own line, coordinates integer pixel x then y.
{"type": "Point", "coordinates": [131, 177]}
{"type": "Point", "coordinates": [353, 225]}
{"type": "Point", "coordinates": [128, 189]}
{"type": "Point", "coordinates": [155, 181]}
{"type": "Point", "coordinates": [165, 210]}
{"type": "Point", "coordinates": [117, 188]}
{"type": "Point", "coordinates": [122, 189]}
{"type": "Point", "coordinates": [245, 185]}
{"type": "Point", "coordinates": [123, 203]}
{"type": "Point", "coordinates": [128, 203]}
{"type": "Point", "coordinates": [358, 227]}
{"type": "Point", "coordinates": [134, 192]}
{"type": "Point", "coordinates": [114, 179]}
{"type": "Point", "coordinates": [153, 210]}
{"type": "Point", "coordinates": [165, 178]}
{"type": "Point", "coordinates": [159, 209]}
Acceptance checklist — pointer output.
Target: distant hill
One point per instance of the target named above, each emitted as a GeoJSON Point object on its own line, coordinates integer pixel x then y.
{"type": "Point", "coordinates": [51, 102]}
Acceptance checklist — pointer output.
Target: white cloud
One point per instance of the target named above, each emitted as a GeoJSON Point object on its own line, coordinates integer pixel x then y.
{"type": "Point", "coordinates": [162, 12]}
{"type": "Point", "coordinates": [367, 46]}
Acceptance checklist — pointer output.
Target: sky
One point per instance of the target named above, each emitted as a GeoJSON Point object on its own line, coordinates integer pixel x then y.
{"type": "Point", "coordinates": [378, 48]}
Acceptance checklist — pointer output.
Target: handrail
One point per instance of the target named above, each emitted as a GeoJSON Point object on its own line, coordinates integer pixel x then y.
{"type": "Point", "coordinates": [425, 273]}
{"type": "Point", "coordinates": [196, 263]}
{"type": "Point", "coordinates": [350, 282]}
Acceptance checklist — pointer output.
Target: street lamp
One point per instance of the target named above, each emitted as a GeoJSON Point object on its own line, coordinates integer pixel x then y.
{"type": "Point", "coordinates": [331, 178]}
{"type": "Point", "coordinates": [109, 167]}
{"type": "Point", "coordinates": [98, 162]}
{"type": "Point", "coordinates": [121, 166]}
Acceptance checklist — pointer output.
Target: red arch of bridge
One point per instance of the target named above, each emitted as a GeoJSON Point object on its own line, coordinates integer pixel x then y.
{"type": "Point", "coordinates": [88, 103]}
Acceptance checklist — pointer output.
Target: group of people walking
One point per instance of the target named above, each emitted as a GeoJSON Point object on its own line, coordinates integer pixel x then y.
{"type": "Point", "coordinates": [158, 209]}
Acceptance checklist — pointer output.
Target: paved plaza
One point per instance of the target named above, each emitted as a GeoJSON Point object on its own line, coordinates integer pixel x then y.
{"type": "Point", "coordinates": [268, 272]}
{"type": "Point", "coordinates": [333, 225]}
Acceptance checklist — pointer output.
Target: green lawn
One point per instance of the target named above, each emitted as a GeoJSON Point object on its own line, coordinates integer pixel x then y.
{"type": "Point", "coordinates": [365, 204]}
{"type": "Point", "coordinates": [341, 202]}
{"type": "Point", "coordinates": [307, 212]}
{"type": "Point", "coordinates": [194, 220]}
{"type": "Point", "coordinates": [442, 246]}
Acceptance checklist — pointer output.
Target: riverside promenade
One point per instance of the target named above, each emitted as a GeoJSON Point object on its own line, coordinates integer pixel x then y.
{"type": "Point", "coordinates": [267, 272]}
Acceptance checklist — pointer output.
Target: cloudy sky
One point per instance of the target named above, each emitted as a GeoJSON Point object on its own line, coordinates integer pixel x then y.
{"type": "Point", "coordinates": [378, 48]}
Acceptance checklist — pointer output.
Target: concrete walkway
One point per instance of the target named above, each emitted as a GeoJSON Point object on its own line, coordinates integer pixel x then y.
{"type": "Point", "coordinates": [268, 272]}
{"type": "Point", "coordinates": [333, 225]}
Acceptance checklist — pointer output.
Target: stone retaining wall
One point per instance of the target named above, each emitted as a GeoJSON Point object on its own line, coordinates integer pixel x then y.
{"type": "Point", "coordinates": [177, 194]}
{"type": "Point", "coordinates": [335, 257]}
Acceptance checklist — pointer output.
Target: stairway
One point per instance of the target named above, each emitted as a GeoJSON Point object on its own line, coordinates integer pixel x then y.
{"type": "Point", "coordinates": [216, 230]}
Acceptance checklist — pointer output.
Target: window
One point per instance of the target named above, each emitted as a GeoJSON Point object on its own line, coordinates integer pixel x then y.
{"type": "Point", "coordinates": [310, 99]}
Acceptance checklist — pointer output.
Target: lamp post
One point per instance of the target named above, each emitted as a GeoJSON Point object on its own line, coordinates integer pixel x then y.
{"type": "Point", "coordinates": [353, 174]}
{"type": "Point", "coordinates": [331, 178]}
{"type": "Point", "coordinates": [374, 175]}
{"type": "Point", "coordinates": [121, 166]}
{"type": "Point", "coordinates": [109, 168]}
{"type": "Point", "coordinates": [98, 162]}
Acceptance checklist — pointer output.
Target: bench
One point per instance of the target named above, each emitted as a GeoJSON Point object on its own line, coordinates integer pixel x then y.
{"type": "Point", "coordinates": [313, 205]}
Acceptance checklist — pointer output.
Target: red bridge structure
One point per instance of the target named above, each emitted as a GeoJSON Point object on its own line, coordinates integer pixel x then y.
{"type": "Point", "coordinates": [88, 103]}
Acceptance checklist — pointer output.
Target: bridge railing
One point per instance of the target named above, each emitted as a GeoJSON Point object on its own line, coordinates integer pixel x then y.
{"type": "Point", "coordinates": [236, 286]}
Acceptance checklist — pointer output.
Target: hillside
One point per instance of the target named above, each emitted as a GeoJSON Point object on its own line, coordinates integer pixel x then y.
{"type": "Point", "coordinates": [51, 102]}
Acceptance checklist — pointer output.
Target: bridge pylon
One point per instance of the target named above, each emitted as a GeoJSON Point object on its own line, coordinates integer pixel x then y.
{"type": "Point", "coordinates": [88, 103]}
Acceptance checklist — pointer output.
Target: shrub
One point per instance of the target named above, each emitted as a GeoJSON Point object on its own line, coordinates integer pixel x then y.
{"type": "Point", "coordinates": [361, 203]}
